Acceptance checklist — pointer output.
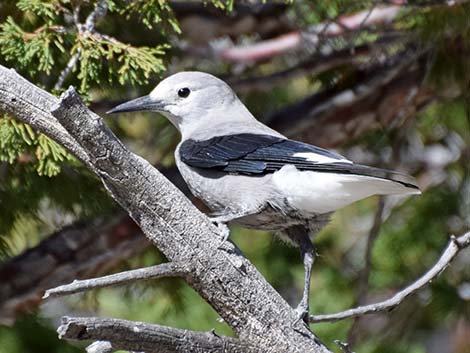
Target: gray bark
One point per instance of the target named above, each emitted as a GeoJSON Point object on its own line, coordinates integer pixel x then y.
{"type": "Point", "coordinates": [149, 338]}
{"type": "Point", "coordinates": [220, 274]}
{"type": "Point", "coordinates": [171, 269]}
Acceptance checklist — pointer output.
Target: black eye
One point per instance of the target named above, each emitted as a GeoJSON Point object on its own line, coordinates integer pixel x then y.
{"type": "Point", "coordinates": [184, 92]}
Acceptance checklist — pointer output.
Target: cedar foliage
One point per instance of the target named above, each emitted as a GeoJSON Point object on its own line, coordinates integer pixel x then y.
{"type": "Point", "coordinates": [38, 39]}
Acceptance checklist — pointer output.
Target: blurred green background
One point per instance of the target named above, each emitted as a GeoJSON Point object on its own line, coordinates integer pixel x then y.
{"type": "Point", "coordinates": [408, 74]}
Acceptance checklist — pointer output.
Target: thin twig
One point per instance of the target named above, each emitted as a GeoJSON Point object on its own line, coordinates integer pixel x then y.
{"type": "Point", "coordinates": [67, 70]}
{"type": "Point", "coordinates": [98, 12]}
{"type": "Point", "coordinates": [364, 274]}
{"type": "Point", "coordinates": [170, 269]}
{"type": "Point", "coordinates": [363, 279]}
{"type": "Point", "coordinates": [361, 26]}
{"type": "Point", "coordinates": [454, 247]}
{"type": "Point", "coordinates": [380, 217]}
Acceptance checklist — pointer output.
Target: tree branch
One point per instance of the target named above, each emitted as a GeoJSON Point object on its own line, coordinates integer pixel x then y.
{"type": "Point", "coordinates": [289, 42]}
{"type": "Point", "coordinates": [334, 115]}
{"type": "Point", "coordinates": [454, 247]}
{"type": "Point", "coordinates": [315, 64]}
{"type": "Point", "coordinates": [158, 271]}
{"type": "Point", "coordinates": [220, 274]}
{"type": "Point", "coordinates": [148, 338]}
{"type": "Point", "coordinates": [363, 278]}
{"type": "Point", "coordinates": [379, 15]}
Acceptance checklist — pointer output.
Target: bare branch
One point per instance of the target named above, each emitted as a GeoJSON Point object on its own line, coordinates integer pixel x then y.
{"type": "Point", "coordinates": [333, 115]}
{"type": "Point", "coordinates": [314, 65]}
{"type": "Point", "coordinates": [454, 247]}
{"type": "Point", "coordinates": [149, 338]}
{"type": "Point", "coordinates": [68, 69]}
{"type": "Point", "coordinates": [363, 279]}
{"type": "Point", "coordinates": [158, 271]}
{"type": "Point", "coordinates": [97, 14]}
{"type": "Point", "coordinates": [291, 41]}
{"type": "Point", "coordinates": [379, 15]}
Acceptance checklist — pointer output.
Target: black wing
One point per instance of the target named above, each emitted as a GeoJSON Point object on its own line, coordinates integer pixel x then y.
{"type": "Point", "coordinates": [253, 154]}
{"type": "Point", "coordinates": [249, 153]}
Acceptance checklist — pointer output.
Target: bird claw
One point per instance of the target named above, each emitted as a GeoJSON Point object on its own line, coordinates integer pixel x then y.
{"type": "Point", "coordinates": [224, 230]}
{"type": "Point", "coordinates": [301, 313]}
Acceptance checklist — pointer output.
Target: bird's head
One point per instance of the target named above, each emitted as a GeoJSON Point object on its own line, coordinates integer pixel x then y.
{"type": "Point", "coordinates": [185, 98]}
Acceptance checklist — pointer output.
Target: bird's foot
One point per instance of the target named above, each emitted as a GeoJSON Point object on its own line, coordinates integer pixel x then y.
{"type": "Point", "coordinates": [224, 230]}
{"type": "Point", "coordinates": [301, 313]}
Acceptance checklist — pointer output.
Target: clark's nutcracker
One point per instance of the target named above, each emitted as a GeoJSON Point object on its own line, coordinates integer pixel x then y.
{"type": "Point", "coordinates": [250, 174]}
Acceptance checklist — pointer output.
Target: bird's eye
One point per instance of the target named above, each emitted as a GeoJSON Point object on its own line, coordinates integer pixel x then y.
{"type": "Point", "coordinates": [184, 92]}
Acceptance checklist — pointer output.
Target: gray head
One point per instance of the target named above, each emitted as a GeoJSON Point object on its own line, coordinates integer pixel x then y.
{"type": "Point", "coordinates": [185, 98]}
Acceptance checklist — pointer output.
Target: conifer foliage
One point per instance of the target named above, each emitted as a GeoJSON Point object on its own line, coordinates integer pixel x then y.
{"type": "Point", "coordinates": [55, 43]}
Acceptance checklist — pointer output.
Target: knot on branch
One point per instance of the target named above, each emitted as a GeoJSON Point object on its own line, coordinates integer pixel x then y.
{"type": "Point", "coordinates": [70, 328]}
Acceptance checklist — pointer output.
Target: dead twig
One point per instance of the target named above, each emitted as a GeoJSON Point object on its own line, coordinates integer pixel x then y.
{"type": "Point", "coordinates": [453, 248]}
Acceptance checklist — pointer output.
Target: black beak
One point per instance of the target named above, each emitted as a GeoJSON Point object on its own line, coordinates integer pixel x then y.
{"type": "Point", "coordinates": [140, 104]}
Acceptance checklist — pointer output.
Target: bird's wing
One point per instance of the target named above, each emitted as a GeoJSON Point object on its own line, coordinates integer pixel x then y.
{"type": "Point", "coordinates": [255, 154]}
{"type": "Point", "coordinates": [219, 151]}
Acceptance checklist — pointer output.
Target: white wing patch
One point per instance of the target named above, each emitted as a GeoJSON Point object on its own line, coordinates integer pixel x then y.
{"type": "Point", "coordinates": [318, 158]}
{"type": "Point", "coordinates": [316, 192]}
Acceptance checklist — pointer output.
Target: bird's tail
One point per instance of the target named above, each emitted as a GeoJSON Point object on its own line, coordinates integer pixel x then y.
{"type": "Point", "coordinates": [386, 182]}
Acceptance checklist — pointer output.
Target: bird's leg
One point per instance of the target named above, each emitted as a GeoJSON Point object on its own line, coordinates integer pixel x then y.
{"type": "Point", "coordinates": [308, 257]}
{"type": "Point", "coordinates": [300, 236]}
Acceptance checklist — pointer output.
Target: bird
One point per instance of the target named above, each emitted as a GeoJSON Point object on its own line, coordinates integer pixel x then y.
{"type": "Point", "coordinates": [252, 175]}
